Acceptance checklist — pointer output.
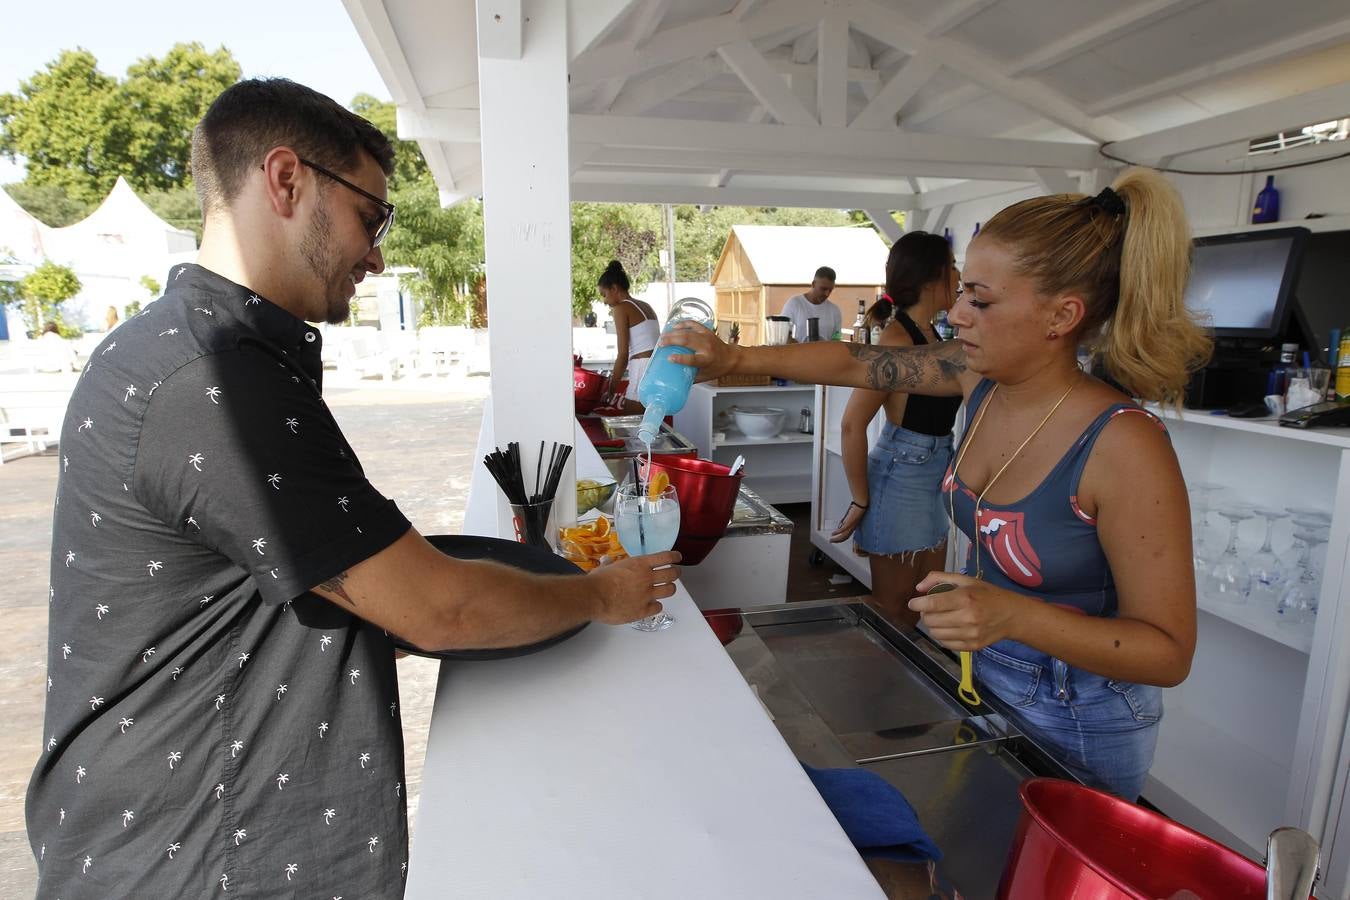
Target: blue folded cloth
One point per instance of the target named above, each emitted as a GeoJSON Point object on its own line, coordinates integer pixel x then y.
{"type": "Point", "coordinates": [876, 817]}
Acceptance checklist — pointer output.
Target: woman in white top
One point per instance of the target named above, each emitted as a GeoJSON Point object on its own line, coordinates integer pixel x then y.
{"type": "Point", "coordinates": [635, 326]}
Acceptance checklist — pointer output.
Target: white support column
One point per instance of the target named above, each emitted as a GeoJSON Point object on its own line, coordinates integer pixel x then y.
{"type": "Point", "coordinates": [527, 237]}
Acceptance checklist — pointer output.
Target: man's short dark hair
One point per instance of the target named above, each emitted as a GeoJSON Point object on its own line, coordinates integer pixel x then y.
{"type": "Point", "coordinates": [251, 118]}
{"type": "Point", "coordinates": [825, 272]}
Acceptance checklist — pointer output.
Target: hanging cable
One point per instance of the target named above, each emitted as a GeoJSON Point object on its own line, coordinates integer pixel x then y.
{"type": "Point", "coordinates": [1298, 165]}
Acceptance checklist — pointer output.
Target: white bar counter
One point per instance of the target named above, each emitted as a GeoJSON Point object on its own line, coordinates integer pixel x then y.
{"type": "Point", "coordinates": [618, 764]}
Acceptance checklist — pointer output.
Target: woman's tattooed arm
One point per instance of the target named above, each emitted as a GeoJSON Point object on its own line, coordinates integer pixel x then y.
{"type": "Point", "coordinates": [933, 369]}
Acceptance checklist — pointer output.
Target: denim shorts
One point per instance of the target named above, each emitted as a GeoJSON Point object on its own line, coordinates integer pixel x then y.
{"type": "Point", "coordinates": [905, 511]}
{"type": "Point", "coordinates": [1103, 731]}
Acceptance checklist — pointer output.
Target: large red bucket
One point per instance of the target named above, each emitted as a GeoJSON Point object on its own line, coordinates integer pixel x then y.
{"type": "Point", "coordinates": [707, 494]}
{"type": "Point", "coordinates": [587, 389]}
{"type": "Point", "coordinates": [1077, 843]}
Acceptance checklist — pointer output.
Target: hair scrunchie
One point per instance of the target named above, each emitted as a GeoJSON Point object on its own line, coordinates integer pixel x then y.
{"type": "Point", "coordinates": [1109, 201]}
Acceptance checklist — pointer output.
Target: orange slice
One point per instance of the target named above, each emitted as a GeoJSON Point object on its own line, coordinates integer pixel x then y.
{"type": "Point", "coordinates": [657, 485]}
{"type": "Point", "coordinates": [600, 527]}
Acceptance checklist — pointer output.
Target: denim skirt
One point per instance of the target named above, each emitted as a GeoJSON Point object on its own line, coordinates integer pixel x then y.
{"type": "Point", "coordinates": [905, 512]}
{"type": "Point", "coordinates": [1104, 731]}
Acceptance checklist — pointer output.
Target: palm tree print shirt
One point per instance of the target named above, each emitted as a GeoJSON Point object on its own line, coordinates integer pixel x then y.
{"type": "Point", "coordinates": [212, 728]}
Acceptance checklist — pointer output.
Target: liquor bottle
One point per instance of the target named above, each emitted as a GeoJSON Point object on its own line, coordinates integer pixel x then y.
{"type": "Point", "coordinates": [860, 323]}
{"type": "Point", "coordinates": [1343, 368]}
{"type": "Point", "coordinates": [1267, 208]}
{"type": "Point", "coordinates": [947, 233]}
{"type": "Point", "coordinates": [665, 385]}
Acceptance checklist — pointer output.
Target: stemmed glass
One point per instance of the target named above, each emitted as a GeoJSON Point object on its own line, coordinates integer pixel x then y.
{"type": "Point", "coordinates": [647, 525]}
{"type": "Point", "coordinates": [1298, 603]}
{"type": "Point", "coordinates": [1267, 572]}
{"type": "Point", "coordinates": [1305, 518]}
{"type": "Point", "coordinates": [1229, 578]}
{"type": "Point", "coordinates": [1203, 491]}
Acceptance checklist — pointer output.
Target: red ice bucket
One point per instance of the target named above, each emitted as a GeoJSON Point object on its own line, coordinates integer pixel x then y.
{"type": "Point", "coordinates": [707, 494]}
{"type": "Point", "coordinates": [1077, 843]}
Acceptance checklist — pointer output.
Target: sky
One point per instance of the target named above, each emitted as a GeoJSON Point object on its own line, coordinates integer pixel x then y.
{"type": "Point", "coordinates": [310, 41]}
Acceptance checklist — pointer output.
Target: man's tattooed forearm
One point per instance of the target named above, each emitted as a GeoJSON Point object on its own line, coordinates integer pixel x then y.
{"type": "Point", "coordinates": [911, 368]}
{"type": "Point", "coordinates": [334, 586]}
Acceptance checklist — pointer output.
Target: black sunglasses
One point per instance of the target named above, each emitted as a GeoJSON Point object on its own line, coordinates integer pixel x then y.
{"type": "Point", "coordinates": [381, 228]}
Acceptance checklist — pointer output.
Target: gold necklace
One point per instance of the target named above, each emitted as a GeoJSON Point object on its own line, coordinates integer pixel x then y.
{"type": "Point", "coordinates": [965, 445]}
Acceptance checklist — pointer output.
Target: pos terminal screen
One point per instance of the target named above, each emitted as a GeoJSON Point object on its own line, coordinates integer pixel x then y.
{"type": "Point", "coordinates": [1240, 284]}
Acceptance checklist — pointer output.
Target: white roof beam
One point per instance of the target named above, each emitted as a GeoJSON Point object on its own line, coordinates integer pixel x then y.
{"type": "Point", "coordinates": [915, 219]}
{"type": "Point", "coordinates": [680, 42]}
{"type": "Point", "coordinates": [805, 48]}
{"type": "Point", "coordinates": [956, 98]}
{"type": "Point", "coordinates": [688, 134]}
{"type": "Point", "coordinates": [898, 30]}
{"type": "Point", "coordinates": [629, 192]}
{"type": "Point", "coordinates": [386, 51]}
{"type": "Point", "coordinates": [1056, 181]}
{"type": "Point", "coordinates": [784, 65]}
{"type": "Point", "coordinates": [955, 13]}
{"type": "Point", "coordinates": [880, 113]}
{"type": "Point", "coordinates": [645, 22]}
{"type": "Point", "coordinates": [971, 190]}
{"type": "Point", "coordinates": [885, 223]}
{"type": "Point", "coordinates": [594, 22]}
{"type": "Point", "coordinates": [832, 72]}
{"type": "Point", "coordinates": [1241, 125]}
{"type": "Point", "coordinates": [744, 8]}
{"type": "Point", "coordinates": [767, 86]}
{"type": "Point", "coordinates": [1084, 40]}
{"type": "Point", "coordinates": [937, 217]}
{"type": "Point", "coordinates": [654, 90]}
{"type": "Point", "coordinates": [449, 125]}
{"type": "Point", "coordinates": [1305, 42]}
{"type": "Point", "coordinates": [787, 162]}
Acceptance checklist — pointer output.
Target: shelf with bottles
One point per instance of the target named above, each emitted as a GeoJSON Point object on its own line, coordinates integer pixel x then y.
{"type": "Point", "coordinates": [1333, 222]}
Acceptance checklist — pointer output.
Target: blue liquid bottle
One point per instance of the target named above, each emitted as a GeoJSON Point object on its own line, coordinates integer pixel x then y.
{"type": "Point", "coordinates": [665, 385]}
{"type": "Point", "coordinates": [1267, 208]}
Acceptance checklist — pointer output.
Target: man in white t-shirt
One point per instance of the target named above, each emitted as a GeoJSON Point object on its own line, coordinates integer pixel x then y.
{"type": "Point", "coordinates": [815, 304]}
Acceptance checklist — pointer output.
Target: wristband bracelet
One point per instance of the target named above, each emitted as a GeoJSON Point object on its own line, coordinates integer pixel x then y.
{"type": "Point", "coordinates": [862, 506]}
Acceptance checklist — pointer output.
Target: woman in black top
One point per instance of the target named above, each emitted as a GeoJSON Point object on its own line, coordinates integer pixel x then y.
{"type": "Point", "coordinates": [896, 517]}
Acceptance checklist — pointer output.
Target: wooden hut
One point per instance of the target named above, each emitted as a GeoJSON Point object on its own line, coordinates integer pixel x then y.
{"type": "Point", "coordinates": [761, 266]}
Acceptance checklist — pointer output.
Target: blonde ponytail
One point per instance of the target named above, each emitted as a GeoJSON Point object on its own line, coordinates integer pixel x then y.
{"type": "Point", "coordinates": [1129, 263]}
{"type": "Point", "coordinates": [1152, 342]}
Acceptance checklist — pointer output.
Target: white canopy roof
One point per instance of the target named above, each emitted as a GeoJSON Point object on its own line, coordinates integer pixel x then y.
{"type": "Point", "coordinates": [873, 104]}
{"type": "Point", "coordinates": [790, 254]}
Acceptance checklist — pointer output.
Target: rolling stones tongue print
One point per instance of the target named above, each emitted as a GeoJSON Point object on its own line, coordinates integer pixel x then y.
{"type": "Point", "coordinates": [1003, 537]}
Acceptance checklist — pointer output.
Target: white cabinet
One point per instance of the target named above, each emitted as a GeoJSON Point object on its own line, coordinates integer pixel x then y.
{"type": "Point", "coordinates": [1251, 739]}
{"type": "Point", "coordinates": [778, 469]}
{"type": "Point", "coordinates": [830, 494]}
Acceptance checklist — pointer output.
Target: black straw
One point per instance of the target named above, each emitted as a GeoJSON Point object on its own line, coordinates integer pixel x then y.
{"type": "Point", "coordinates": [637, 486]}
{"type": "Point", "coordinates": [505, 468]}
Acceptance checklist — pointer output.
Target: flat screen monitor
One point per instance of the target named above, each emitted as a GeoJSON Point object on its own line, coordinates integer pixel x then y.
{"type": "Point", "coordinates": [1243, 284]}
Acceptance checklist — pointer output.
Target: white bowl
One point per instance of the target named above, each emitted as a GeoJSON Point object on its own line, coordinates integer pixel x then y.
{"type": "Point", "coordinates": [758, 423]}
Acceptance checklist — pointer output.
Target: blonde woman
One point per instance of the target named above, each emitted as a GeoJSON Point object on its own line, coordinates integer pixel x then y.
{"type": "Point", "coordinates": [1078, 593]}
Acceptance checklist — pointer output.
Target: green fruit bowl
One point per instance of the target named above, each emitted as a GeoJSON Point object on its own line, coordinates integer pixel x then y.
{"type": "Point", "coordinates": [592, 494]}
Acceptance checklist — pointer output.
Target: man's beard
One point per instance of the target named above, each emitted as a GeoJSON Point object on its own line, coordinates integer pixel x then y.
{"type": "Point", "coordinates": [321, 258]}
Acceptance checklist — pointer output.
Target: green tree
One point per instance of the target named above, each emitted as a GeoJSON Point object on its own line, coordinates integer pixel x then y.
{"type": "Point", "coordinates": [162, 100]}
{"type": "Point", "coordinates": [43, 291]}
{"type": "Point", "coordinates": [444, 246]}
{"type": "Point", "coordinates": [178, 207]}
{"type": "Point", "coordinates": [66, 122]}
{"type": "Point", "coordinates": [409, 166]}
{"type": "Point", "coordinates": [630, 233]}
{"type": "Point", "coordinates": [49, 203]}
{"type": "Point", "coordinates": [79, 129]}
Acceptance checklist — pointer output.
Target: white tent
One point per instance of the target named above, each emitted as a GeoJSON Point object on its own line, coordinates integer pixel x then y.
{"type": "Point", "coordinates": [110, 250]}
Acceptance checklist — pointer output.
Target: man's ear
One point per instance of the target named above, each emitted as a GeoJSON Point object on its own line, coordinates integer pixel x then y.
{"type": "Point", "coordinates": [284, 180]}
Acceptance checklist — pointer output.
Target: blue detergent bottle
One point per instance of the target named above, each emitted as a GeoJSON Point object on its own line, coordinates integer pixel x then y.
{"type": "Point", "coordinates": [665, 385]}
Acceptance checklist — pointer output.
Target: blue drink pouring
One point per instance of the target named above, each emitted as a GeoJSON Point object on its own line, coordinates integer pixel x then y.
{"type": "Point", "coordinates": [665, 385]}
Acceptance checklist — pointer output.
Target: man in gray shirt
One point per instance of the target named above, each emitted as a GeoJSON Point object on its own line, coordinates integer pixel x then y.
{"type": "Point", "coordinates": [222, 701]}
{"type": "Point", "coordinates": [815, 304]}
